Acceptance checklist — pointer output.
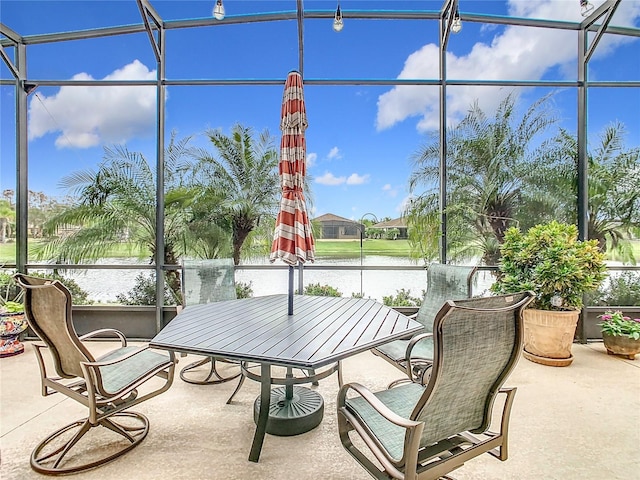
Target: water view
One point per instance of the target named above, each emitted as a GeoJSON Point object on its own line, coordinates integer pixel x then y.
{"type": "Point", "coordinates": [104, 285]}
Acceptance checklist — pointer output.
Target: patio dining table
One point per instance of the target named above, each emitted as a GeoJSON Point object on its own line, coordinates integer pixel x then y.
{"type": "Point", "coordinates": [321, 331]}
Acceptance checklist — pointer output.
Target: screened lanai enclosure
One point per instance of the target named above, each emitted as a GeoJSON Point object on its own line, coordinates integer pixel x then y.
{"type": "Point", "coordinates": [490, 114]}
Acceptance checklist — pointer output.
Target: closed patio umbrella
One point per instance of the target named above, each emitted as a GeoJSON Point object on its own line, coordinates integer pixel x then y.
{"type": "Point", "coordinates": [293, 241]}
{"type": "Point", "coordinates": [289, 413]}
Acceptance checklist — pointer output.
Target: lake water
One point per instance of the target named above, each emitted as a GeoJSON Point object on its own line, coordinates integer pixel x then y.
{"type": "Point", "coordinates": [104, 285]}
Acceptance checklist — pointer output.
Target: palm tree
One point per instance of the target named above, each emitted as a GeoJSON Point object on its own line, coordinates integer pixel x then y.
{"type": "Point", "coordinates": [244, 177]}
{"type": "Point", "coordinates": [484, 189]}
{"type": "Point", "coordinates": [7, 217]}
{"type": "Point", "coordinates": [116, 204]}
{"type": "Point", "coordinates": [613, 187]}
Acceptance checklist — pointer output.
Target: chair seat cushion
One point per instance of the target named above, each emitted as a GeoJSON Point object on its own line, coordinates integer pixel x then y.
{"type": "Point", "coordinates": [397, 350]}
{"type": "Point", "coordinates": [399, 400]}
{"type": "Point", "coordinates": [121, 375]}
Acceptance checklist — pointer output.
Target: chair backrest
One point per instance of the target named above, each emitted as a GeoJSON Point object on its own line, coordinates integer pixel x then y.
{"type": "Point", "coordinates": [208, 280]}
{"type": "Point", "coordinates": [47, 307]}
{"type": "Point", "coordinates": [444, 282]}
{"type": "Point", "coordinates": [477, 342]}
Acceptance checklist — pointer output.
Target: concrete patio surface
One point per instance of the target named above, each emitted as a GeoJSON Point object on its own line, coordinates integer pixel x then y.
{"type": "Point", "coordinates": [579, 422]}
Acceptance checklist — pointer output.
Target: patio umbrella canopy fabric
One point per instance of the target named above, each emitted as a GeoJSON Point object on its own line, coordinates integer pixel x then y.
{"type": "Point", "coordinates": [293, 240]}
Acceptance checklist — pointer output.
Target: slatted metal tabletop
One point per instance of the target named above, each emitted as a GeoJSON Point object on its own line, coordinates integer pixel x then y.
{"type": "Point", "coordinates": [322, 330]}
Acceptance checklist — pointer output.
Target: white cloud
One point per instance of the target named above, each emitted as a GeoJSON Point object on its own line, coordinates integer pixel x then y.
{"type": "Point", "coordinates": [355, 179]}
{"type": "Point", "coordinates": [390, 191]}
{"type": "Point", "coordinates": [330, 179]}
{"type": "Point", "coordinates": [88, 116]}
{"type": "Point", "coordinates": [517, 53]}
{"type": "Point", "coordinates": [334, 154]}
{"type": "Point", "coordinates": [312, 158]}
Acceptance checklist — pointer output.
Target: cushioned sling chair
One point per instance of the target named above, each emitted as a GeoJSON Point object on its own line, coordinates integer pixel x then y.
{"type": "Point", "coordinates": [205, 281]}
{"type": "Point", "coordinates": [107, 385]}
{"type": "Point", "coordinates": [425, 431]}
{"type": "Point", "coordinates": [415, 355]}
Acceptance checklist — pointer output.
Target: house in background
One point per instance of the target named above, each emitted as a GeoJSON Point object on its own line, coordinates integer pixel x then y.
{"type": "Point", "coordinates": [334, 227]}
{"type": "Point", "coordinates": [399, 223]}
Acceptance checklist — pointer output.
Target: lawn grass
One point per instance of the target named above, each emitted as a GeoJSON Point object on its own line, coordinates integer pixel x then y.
{"type": "Point", "coordinates": [324, 248]}
{"type": "Point", "coordinates": [123, 250]}
{"type": "Point", "coordinates": [351, 248]}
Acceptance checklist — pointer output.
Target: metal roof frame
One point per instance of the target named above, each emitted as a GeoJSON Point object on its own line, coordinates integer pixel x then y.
{"type": "Point", "coordinates": [597, 24]}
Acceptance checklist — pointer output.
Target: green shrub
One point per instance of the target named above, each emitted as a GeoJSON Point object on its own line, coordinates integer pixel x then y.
{"type": "Point", "coordinates": [144, 292]}
{"type": "Point", "coordinates": [550, 260]}
{"type": "Point", "coordinates": [11, 291]}
{"type": "Point", "coordinates": [321, 290]}
{"type": "Point", "coordinates": [244, 290]}
{"type": "Point", "coordinates": [402, 299]}
{"type": "Point", "coordinates": [621, 290]}
{"type": "Point", "coordinates": [78, 295]}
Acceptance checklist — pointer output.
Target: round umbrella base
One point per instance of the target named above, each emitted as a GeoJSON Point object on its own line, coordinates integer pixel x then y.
{"type": "Point", "coordinates": [299, 414]}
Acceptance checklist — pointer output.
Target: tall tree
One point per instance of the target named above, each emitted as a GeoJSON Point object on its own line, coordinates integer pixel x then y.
{"type": "Point", "coordinates": [116, 205]}
{"type": "Point", "coordinates": [7, 217]}
{"type": "Point", "coordinates": [243, 174]}
{"type": "Point", "coordinates": [613, 187]}
{"type": "Point", "coordinates": [484, 189]}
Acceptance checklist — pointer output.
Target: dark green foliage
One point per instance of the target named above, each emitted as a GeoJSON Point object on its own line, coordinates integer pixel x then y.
{"type": "Point", "coordinates": [244, 290]}
{"type": "Point", "coordinates": [550, 261]}
{"type": "Point", "coordinates": [144, 292]}
{"type": "Point", "coordinates": [622, 290]}
{"type": "Point", "coordinates": [11, 291]}
{"type": "Point", "coordinates": [402, 299]}
{"type": "Point", "coordinates": [321, 290]}
{"type": "Point", "coordinates": [78, 295]}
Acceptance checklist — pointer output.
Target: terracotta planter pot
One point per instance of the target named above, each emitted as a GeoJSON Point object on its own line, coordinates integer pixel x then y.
{"type": "Point", "coordinates": [619, 345]}
{"type": "Point", "coordinates": [548, 336]}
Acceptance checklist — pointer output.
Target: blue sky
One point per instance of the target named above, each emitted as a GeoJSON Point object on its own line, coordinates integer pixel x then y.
{"type": "Point", "coordinates": [360, 138]}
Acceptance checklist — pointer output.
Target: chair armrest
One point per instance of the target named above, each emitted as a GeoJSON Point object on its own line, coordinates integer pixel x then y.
{"type": "Point", "coordinates": [410, 346]}
{"type": "Point", "coordinates": [414, 340]}
{"type": "Point", "coordinates": [104, 331]}
{"type": "Point", "coordinates": [376, 404]}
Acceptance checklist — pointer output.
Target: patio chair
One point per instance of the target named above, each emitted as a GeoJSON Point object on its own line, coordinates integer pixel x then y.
{"type": "Point", "coordinates": [414, 356]}
{"type": "Point", "coordinates": [205, 281]}
{"type": "Point", "coordinates": [424, 432]}
{"type": "Point", "coordinates": [107, 385]}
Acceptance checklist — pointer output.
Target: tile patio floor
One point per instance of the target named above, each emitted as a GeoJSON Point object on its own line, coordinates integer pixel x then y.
{"type": "Point", "coordinates": [579, 422]}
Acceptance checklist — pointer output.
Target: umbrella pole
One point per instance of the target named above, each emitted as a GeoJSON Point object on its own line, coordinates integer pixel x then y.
{"type": "Point", "coordinates": [290, 310]}
{"type": "Point", "coordinates": [300, 282]}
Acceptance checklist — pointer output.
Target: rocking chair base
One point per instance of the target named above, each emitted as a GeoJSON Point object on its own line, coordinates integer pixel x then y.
{"type": "Point", "coordinates": [212, 378]}
{"type": "Point", "coordinates": [51, 455]}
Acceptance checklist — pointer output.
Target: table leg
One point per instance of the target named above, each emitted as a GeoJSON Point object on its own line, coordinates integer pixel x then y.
{"type": "Point", "coordinates": [263, 415]}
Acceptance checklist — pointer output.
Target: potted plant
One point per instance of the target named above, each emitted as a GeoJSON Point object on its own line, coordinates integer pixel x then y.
{"type": "Point", "coordinates": [551, 261]}
{"type": "Point", "coordinates": [12, 319]}
{"type": "Point", "coordinates": [621, 334]}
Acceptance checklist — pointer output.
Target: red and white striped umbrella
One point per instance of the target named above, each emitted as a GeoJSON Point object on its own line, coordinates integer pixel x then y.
{"type": "Point", "coordinates": [293, 241]}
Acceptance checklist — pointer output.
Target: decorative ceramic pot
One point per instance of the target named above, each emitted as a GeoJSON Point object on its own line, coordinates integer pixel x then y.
{"type": "Point", "coordinates": [548, 336]}
{"type": "Point", "coordinates": [621, 345]}
{"type": "Point", "coordinates": [11, 326]}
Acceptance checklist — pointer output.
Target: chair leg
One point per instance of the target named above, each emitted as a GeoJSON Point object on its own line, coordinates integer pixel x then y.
{"type": "Point", "coordinates": [58, 462]}
{"type": "Point", "coordinates": [212, 378]}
